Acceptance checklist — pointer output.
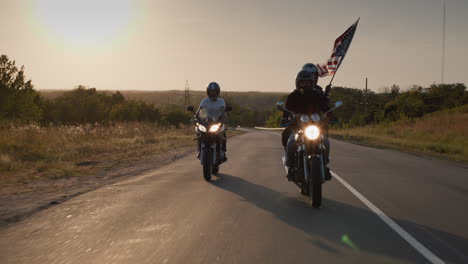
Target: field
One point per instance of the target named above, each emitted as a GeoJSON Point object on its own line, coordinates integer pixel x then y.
{"type": "Point", "coordinates": [443, 134]}
{"type": "Point", "coordinates": [32, 152]}
{"type": "Point", "coordinates": [29, 153]}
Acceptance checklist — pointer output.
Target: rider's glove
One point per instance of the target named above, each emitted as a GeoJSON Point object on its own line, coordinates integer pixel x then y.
{"type": "Point", "coordinates": [327, 90]}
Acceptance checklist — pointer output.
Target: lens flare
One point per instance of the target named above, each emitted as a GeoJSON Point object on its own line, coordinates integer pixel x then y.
{"type": "Point", "coordinates": [346, 240]}
{"type": "Point", "coordinates": [84, 22]}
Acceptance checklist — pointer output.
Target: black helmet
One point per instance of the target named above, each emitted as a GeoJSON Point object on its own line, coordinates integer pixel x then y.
{"type": "Point", "coordinates": [213, 90]}
{"type": "Point", "coordinates": [306, 80]}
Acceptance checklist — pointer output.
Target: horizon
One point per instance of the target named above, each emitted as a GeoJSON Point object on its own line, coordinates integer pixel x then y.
{"type": "Point", "coordinates": [402, 89]}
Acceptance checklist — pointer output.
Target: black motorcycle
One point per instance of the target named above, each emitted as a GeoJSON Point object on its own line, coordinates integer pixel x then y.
{"type": "Point", "coordinates": [211, 134]}
{"type": "Point", "coordinates": [309, 167]}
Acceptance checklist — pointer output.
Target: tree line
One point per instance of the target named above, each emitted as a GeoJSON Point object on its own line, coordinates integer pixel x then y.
{"type": "Point", "coordinates": [360, 108]}
{"type": "Point", "coordinates": [392, 104]}
{"type": "Point", "coordinates": [19, 102]}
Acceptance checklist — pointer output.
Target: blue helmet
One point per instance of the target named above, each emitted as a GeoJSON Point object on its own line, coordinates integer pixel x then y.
{"type": "Point", "coordinates": [310, 67]}
{"type": "Point", "coordinates": [213, 90]}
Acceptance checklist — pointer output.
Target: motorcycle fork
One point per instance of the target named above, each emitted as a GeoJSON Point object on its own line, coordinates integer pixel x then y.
{"type": "Point", "coordinates": [305, 164]}
{"type": "Point", "coordinates": [322, 167]}
{"type": "Point", "coordinates": [301, 159]}
{"type": "Point", "coordinates": [207, 143]}
{"type": "Point", "coordinates": [317, 151]}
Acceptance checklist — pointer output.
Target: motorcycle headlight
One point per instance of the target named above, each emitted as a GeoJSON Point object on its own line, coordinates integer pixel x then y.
{"type": "Point", "coordinates": [312, 132]}
{"type": "Point", "coordinates": [214, 127]}
{"type": "Point", "coordinates": [304, 118]}
{"type": "Point", "coordinates": [315, 117]}
{"type": "Point", "coordinates": [202, 128]}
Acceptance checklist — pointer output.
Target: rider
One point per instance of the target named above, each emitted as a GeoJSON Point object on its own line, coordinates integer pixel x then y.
{"type": "Point", "coordinates": [214, 106]}
{"type": "Point", "coordinates": [307, 98]}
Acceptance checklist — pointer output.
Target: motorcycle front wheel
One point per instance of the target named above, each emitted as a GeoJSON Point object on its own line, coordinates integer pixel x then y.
{"type": "Point", "coordinates": [315, 183]}
{"type": "Point", "coordinates": [208, 164]}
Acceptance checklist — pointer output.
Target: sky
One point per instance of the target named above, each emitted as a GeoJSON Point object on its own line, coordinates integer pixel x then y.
{"type": "Point", "coordinates": [244, 45]}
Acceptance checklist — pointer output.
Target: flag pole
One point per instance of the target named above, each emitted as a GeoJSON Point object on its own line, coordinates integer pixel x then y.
{"type": "Point", "coordinates": [333, 77]}
{"type": "Point", "coordinates": [337, 67]}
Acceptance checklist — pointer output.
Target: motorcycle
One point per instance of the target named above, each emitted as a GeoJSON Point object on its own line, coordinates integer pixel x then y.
{"type": "Point", "coordinates": [309, 166]}
{"type": "Point", "coordinates": [210, 131]}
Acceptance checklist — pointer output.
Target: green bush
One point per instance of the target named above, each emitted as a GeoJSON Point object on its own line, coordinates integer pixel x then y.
{"type": "Point", "coordinates": [18, 99]}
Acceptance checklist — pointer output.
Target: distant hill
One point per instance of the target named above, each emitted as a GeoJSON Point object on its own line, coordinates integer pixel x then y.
{"type": "Point", "coordinates": [252, 100]}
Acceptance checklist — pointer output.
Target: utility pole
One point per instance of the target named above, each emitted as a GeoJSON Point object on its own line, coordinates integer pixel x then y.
{"type": "Point", "coordinates": [443, 45]}
{"type": "Point", "coordinates": [187, 93]}
{"type": "Point", "coordinates": [364, 100]}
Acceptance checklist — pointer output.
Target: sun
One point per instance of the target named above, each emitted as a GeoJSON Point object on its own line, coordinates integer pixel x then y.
{"type": "Point", "coordinates": [85, 22]}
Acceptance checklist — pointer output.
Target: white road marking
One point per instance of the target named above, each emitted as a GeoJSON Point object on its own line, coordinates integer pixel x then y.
{"type": "Point", "coordinates": [398, 229]}
{"type": "Point", "coordinates": [431, 257]}
{"type": "Point", "coordinates": [270, 128]}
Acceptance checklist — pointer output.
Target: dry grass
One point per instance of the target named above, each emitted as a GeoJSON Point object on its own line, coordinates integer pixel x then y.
{"type": "Point", "coordinates": [31, 152]}
{"type": "Point", "coordinates": [443, 134]}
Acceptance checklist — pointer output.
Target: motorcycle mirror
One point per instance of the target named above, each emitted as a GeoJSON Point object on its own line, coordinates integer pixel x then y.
{"type": "Point", "coordinates": [228, 108]}
{"type": "Point", "coordinates": [190, 108]}
{"type": "Point", "coordinates": [280, 105]}
{"type": "Point", "coordinates": [337, 104]}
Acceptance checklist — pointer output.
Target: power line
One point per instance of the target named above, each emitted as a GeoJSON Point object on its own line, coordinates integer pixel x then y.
{"type": "Point", "coordinates": [364, 98]}
{"type": "Point", "coordinates": [443, 45]}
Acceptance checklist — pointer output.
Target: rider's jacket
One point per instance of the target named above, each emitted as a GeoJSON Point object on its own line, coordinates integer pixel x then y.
{"type": "Point", "coordinates": [212, 109]}
{"type": "Point", "coordinates": [312, 101]}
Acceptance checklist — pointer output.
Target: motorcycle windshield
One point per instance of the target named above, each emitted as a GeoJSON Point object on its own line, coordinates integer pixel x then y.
{"type": "Point", "coordinates": [210, 113]}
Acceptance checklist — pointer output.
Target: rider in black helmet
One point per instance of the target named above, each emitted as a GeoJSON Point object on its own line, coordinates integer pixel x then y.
{"type": "Point", "coordinates": [213, 90]}
{"type": "Point", "coordinates": [307, 98]}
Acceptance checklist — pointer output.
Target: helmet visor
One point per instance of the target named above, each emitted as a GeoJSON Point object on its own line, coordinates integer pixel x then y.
{"type": "Point", "coordinates": [306, 83]}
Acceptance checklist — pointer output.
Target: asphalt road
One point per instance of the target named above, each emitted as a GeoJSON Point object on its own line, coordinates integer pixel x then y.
{"type": "Point", "coordinates": [251, 214]}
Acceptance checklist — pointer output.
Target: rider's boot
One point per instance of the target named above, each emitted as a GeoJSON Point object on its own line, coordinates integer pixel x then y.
{"type": "Point", "coordinates": [224, 148]}
{"type": "Point", "coordinates": [224, 155]}
{"type": "Point", "coordinates": [328, 175]}
{"type": "Point", "coordinates": [199, 147]}
{"type": "Point", "coordinates": [290, 175]}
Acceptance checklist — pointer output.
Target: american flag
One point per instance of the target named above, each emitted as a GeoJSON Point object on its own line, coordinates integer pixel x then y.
{"type": "Point", "coordinates": [340, 48]}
